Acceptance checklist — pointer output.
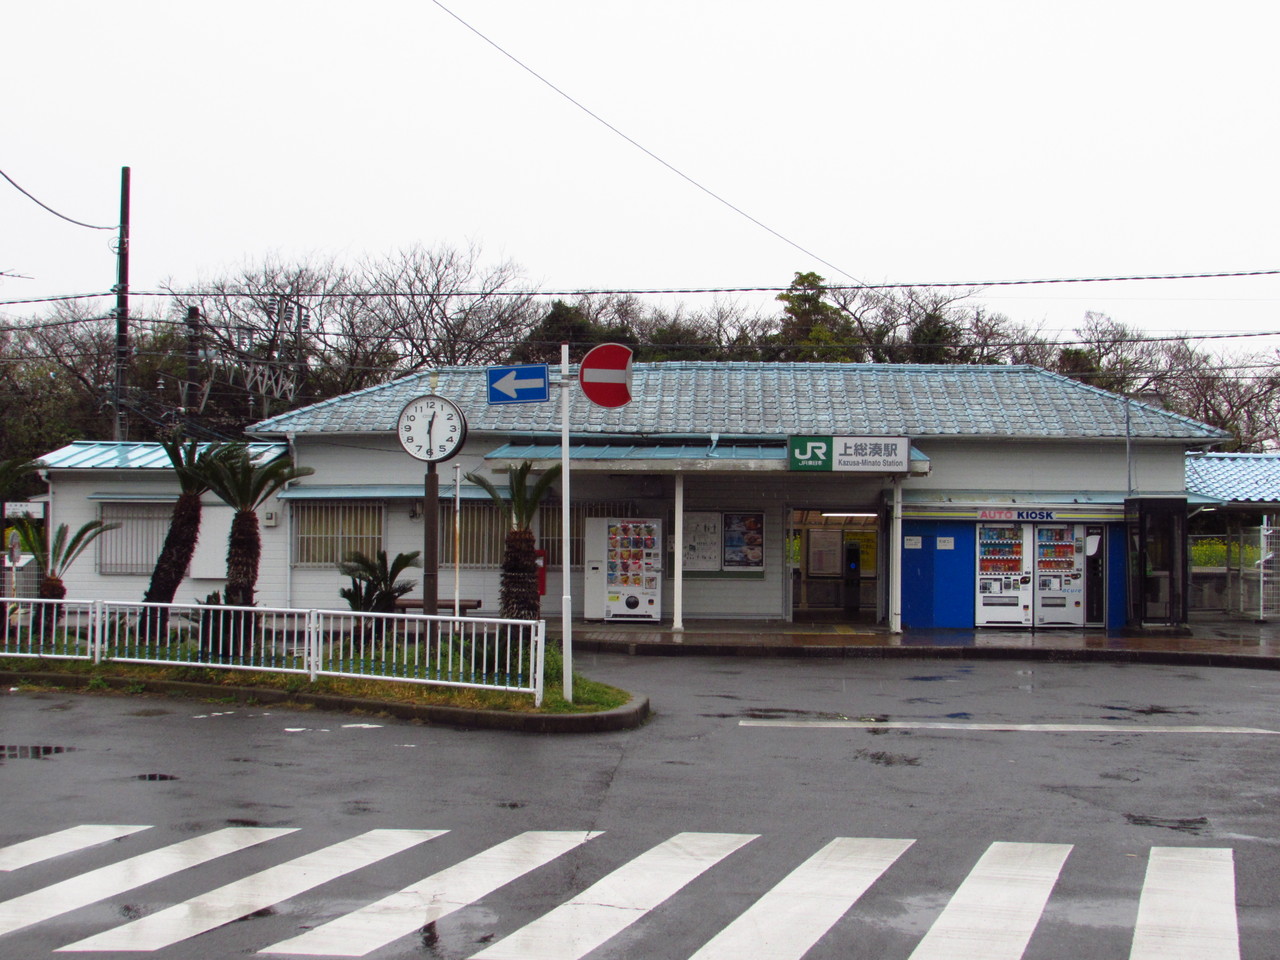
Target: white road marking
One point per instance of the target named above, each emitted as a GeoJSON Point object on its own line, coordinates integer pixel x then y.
{"type": "Point", "coordinates": [1188, 906]}
{"type": "Point", "coordinates": [612, 904]}
{"type": "Point", "coordinates": [380, 923]}
{"type": "Point", "coordinates": [994, 912]}
{"type": "Point", "coordinates": [64, 841]}
{"type": "Point", "coordinates": [1001, 727]}
{"type": "Point", "coordinates": [252, 893]}
{"type": "Point", "coordinates": [87, 888]}
{"type": "Point", "coordinates": [787, 921]}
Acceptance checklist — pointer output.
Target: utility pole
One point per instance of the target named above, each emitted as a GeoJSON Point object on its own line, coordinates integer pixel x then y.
{"type": "Point", "coordinates": [122, 311]}
{"type": "Point", "coordinates": [189, 388]}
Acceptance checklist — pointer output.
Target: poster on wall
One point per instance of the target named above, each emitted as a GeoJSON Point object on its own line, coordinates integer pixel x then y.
{"type": "Point", "coordinates": [703, 544]}
{"type": "Point", "coordinates": [744, 541]}
{"type": "Point", "coordinates": [825, 557]}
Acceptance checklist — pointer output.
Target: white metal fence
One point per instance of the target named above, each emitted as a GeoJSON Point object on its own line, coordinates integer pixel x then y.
{"type": "Point", "coordinates": [477, 652]}
{"type": "Point", "coordinates": [1237, 572]}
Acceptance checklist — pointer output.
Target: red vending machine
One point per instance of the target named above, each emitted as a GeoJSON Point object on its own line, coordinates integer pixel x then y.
{"type": "Point", "coordinates": [1005, 587]}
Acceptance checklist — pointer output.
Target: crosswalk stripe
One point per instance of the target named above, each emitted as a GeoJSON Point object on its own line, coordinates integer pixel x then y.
{"type": "Point", "coordinates": [252, 893]}
{"type": "Point", "coordinates": [59, 898]}
{"type": "Point", "coordinates": [612, 904]}
{"type": "Point", "coordinates": [1187, 910]}
{"type": "Point", "coordinates": [378, 924]}
{"type": "Point", "coordinates": [788, 920]}
{"type": "Point", "coordinates": [994, 912]}
{"type": "Point", "coordinates": [64, 841]}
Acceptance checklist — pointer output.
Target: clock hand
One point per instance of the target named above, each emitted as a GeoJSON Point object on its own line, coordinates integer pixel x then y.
{"type": "Point", "coordinates": [430, 426]}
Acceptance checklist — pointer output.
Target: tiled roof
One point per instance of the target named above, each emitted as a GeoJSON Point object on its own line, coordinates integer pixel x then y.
{"type": "Point", "coordinates": [98, 455]}
{"type": "Point", "coordinates": [1240, 477]}
{"type": "Point", "coordinates": [776, 400]}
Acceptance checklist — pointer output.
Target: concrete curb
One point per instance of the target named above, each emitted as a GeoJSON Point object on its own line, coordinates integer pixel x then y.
{"type": "Point", "coordinates": [1203, 658]}
{"type": "Point", "coordinates": [627, 717]}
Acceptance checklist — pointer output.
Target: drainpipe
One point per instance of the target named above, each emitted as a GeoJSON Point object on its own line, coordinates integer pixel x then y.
{"type": "Point", "coordinates": [895, 559]}
{"type": "Point", "coordinates": [287, 509]}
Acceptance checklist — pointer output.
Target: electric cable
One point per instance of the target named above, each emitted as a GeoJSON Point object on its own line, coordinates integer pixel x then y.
{"type": "Point", "coordinates": [30, 197]}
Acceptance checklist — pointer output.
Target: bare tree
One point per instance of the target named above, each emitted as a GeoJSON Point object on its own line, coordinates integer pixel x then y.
{"type": "Point", "coordinates": [443, 306]}
{"type": "Point", "coordinates": [1240, 394]}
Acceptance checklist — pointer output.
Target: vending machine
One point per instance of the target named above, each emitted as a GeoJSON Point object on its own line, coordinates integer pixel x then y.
{"type": "Point", "coordinates": [1005, 583]}
{"type": "Point", "coordinates": [632, 569]}
{"type": "Point", "coordinates": [1060, 558]}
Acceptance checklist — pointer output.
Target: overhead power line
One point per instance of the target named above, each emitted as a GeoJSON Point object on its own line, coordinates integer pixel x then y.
{"type": "Point", "coordinates": [641, 147]}
{"type": "Point", "coordinates": [40, 203]}
{"type": "Point", "coordinates": [655, 291]}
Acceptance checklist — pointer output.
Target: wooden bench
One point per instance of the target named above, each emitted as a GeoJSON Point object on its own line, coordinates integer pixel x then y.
{"type": "Point", "coordinates": [443, 604]}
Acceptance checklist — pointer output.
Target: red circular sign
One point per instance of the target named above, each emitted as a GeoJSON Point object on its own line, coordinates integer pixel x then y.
{"type": "Point", "coordinates": [605, 375]}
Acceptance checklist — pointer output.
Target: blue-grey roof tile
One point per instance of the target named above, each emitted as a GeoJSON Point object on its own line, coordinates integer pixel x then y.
{"type": "Point", "coordinates": [775, 400]}
{"type": "Point", "coordinates": [1241, 477]}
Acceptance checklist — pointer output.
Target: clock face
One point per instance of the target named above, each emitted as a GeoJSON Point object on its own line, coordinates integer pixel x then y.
{"type": "Point", "coordinates": [431, 428]}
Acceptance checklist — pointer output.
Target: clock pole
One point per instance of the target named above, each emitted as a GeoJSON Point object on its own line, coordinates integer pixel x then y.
{"type": "Point", "coordinates": [430, 540]}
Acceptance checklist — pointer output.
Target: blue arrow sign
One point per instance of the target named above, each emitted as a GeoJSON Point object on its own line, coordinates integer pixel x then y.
{"type": "Point", "coordinates": [523, 383]}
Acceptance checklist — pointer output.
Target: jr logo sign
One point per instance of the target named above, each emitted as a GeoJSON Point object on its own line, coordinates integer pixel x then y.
{"type": "Point", "coordinates": [810, 454]}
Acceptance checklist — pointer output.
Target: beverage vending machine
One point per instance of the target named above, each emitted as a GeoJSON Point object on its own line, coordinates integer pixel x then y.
{"type": "Point", "coordinates": [1005, 588]}
{"type": "Point", "coordinates": [1059, 575]}
{"type": "Point", "coordinates": [632, 569]}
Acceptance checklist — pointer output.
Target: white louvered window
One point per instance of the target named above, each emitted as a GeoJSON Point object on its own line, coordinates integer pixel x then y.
{"type": "Point", "coordinates": [549, 515]}
{"type": "Point", "coordinates": [133, 548]}
{"type": "Point", "coordinates": [482, 532]}
{"type": "Point", "coordinates": [325, 531]}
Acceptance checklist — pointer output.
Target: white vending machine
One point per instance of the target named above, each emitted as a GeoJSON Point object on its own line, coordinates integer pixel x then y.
{"type": "Point", "coordinates": [1005, 587]}
{"type": "Point", "coordinates": [623, 576]}
{"type": "Point", "coordinates": [1060, 553]}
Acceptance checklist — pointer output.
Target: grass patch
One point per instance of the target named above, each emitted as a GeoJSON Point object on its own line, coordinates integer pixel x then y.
{"type": "Point", "coordinates": [589, 696]}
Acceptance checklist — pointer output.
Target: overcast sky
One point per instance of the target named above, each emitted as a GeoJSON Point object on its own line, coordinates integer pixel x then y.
{"type": "Point", "coordinates": [929, 141]}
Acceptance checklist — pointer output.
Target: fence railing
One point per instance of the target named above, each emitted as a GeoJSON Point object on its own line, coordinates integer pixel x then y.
{"type": "Point", "coordinates": [477, 652]}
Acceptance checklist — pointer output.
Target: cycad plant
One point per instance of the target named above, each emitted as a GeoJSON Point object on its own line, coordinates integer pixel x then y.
{"type": "Point", "coordinates": [11, 473]}
{"type": "Point", "coordinates": [375, 583]}
{"type": "Point", "coordinates": [518, 594]}
{"type": "Point", "coordinates": [53, 559]}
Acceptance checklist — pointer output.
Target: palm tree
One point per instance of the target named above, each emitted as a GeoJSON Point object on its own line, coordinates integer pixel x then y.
{"type": "Point", "coordinates": [244, 484]}
{"type": "Point", "coordinates": [191, 462]}
{"type": "Point", "coordinates": [518, 595]}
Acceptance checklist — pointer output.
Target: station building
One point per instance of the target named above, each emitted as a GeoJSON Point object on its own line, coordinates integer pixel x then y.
{"type": "Point", "coordinates": [917, 496]}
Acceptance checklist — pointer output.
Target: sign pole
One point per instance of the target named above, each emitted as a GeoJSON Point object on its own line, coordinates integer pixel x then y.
{"type": "Point", "coordinates": [566, 600]}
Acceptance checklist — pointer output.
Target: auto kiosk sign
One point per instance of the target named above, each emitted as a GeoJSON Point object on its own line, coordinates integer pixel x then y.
{"type": "Point", "coordinates": [849, 454]}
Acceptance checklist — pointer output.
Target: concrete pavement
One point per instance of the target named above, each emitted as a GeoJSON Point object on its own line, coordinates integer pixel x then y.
{"type": "Point", "coordinates": [1211, 638]}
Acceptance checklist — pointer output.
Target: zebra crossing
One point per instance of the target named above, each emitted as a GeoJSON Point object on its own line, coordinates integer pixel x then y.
{"type": "Point", "coordinates": [1186, 907]}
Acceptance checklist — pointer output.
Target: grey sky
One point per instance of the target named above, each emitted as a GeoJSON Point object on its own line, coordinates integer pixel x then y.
{"type": "Point", "coordinates": [898, 141]}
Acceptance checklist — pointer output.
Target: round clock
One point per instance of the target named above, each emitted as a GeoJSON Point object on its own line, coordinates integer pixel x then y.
{"type": "Point", "coordinates": [431, 428]}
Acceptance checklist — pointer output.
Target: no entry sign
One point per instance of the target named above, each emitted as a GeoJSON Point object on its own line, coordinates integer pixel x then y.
{"type": "Point", "coordinates": [605, 375]}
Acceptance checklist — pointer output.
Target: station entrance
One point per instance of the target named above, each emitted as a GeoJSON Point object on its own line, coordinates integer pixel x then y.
{"type": "Point", "coordinates": [836, 561]}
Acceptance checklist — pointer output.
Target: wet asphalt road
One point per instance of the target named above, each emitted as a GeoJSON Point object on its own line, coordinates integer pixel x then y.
{"type": "Point", "coordinates": [1167, 761]}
